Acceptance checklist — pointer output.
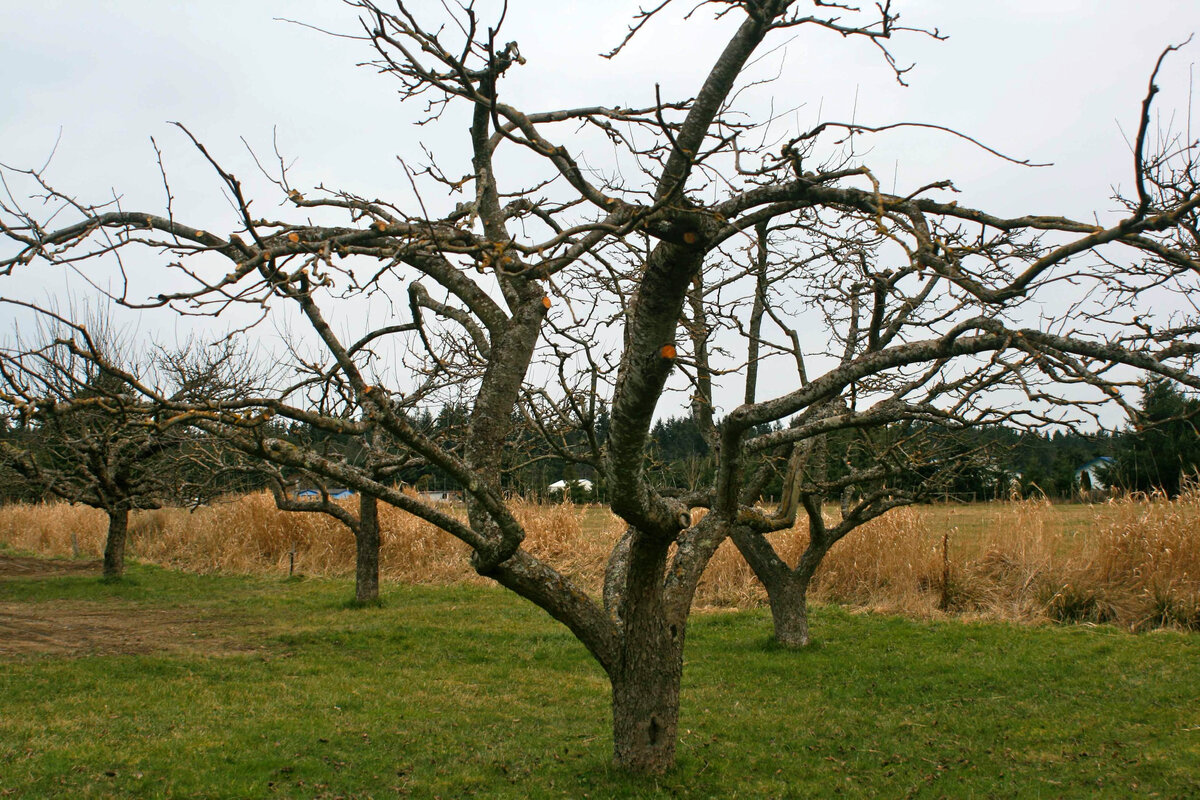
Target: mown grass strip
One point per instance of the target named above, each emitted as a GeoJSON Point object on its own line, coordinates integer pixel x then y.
{"type": "Point", "coordinates": [462, 691]}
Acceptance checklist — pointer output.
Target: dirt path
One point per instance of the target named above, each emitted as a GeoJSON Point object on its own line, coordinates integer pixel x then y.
{"type": "Point", "coordinates": [19, 567]}
{"type": "Point", "coordinates": [84, 628]}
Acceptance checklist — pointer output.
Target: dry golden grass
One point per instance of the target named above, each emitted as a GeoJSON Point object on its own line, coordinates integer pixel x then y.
{"type": "Point", "coordinates": [49, 528]}
{"type": "Point", "coordinates": [1133, 561]}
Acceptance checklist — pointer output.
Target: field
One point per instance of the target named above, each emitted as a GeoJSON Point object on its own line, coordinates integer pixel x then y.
{"type": "Point", "coordinates": [229, 664]}
{"type": "Point", "coordinates": [181, 685]}
{"type": "Point", "coordinates": [1134, 563]}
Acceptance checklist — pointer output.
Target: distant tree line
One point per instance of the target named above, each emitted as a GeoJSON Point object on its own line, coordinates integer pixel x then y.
{"type": "Point", "coordinates": [1161, 448]}
{"type": "Point", "coordinates": [1158, 451]}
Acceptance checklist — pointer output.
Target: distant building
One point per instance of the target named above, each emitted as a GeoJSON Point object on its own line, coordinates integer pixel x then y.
{"type": "Point", "coordinates": [562, 486]}
{"type": "Point", "coordinates": [1092, 470]}
{"type": "Point", "coordinates": [315, 494]}
{"type": "Point", "coordinates": [441, 495]}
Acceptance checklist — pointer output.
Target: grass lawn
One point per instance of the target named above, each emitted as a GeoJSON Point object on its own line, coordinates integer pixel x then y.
{"type": "Point", "coordinates": [252, 687]}
{"type": "Point", "coordinates": [975, 521]}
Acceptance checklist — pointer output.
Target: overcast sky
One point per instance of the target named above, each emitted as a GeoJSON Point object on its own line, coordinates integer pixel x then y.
{"type": "Point", "coordinates": [1047, 80]}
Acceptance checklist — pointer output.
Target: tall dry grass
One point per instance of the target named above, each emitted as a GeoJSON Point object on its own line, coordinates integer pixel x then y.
{"type": "Point", "coordinates": [1141, 569]}
{"type": "Point", "coordinates": [1134, 562]}
{"type": "Point", "coordinates": [54, 529]}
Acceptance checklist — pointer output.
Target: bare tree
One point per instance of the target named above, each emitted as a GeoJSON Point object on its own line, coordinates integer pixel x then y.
{"type": "Point", "coordinates": [83, 434]}
{"type": "Point", "coordinates": [561, 287]}
{"type": "Point", "coordinates": [382, 466]}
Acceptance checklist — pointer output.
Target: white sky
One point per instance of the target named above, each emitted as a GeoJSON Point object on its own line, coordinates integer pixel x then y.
{"type": "Point", "coordinates": [1047, 80]}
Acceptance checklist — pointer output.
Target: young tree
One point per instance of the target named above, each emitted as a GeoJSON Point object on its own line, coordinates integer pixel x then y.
{"type": "Point", "coordinates": [382, 466]}
{"type": "Point", "coordinates": [559, 285]}
{"type": "Point", "coordinates": [83, 434]}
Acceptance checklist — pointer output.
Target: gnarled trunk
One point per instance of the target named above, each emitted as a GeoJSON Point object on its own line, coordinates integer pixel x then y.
{"type": "Point", "coordinates": [645, 681]}
{"type": "Point", "coordinates": [114, 546]}
{"type": "Point", "coordinates": [645, 706]}
{"type": "Point", "coordinates": [366, 546]}
{"type": "Point", "coordinates": [789, 611]}
{"type": "Point", "coordinates": [787, 588]}
{"type": "Point", "coordinates": [788, 595]}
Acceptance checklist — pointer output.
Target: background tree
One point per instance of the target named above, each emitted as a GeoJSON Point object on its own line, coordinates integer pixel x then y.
{"type": "Point", "coordinates": [382, 466]}
{"type": "Point", "coordinates": [81, 433]}
{"type": "Point", "coordinates": [1162, 448]}
{"type": "Point", "coordinates": [559, 289]}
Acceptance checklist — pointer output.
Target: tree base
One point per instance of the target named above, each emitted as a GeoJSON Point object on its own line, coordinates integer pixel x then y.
{"type": "Point", "coordinates": [790, 616]}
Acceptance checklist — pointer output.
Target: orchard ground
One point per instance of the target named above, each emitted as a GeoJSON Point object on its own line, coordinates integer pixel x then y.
{"type": "Point", "coordinates": [175, 684]}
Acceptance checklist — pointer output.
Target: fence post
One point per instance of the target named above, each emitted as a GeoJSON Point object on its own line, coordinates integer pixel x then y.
{"type": "Point", "coordinates": [944, 601]}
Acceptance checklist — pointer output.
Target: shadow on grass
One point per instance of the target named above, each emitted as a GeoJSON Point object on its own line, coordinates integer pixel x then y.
{"type": "Point", "coordinates": [363, 604]}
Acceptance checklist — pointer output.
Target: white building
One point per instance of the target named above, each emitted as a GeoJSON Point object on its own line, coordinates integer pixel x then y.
{"type": "Point", "coordinates": [561, 486]}
{"type": "Point", "coordinates": [1093, 469]}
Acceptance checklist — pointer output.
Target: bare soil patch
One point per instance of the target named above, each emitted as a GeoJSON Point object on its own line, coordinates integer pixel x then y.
{"type": "Point", "coordinates": [20, 567]}
{"type": "Point", "coordinates": [82, 628]}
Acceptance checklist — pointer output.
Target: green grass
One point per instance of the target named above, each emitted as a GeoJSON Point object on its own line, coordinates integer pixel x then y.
{"type": "Point", "coordinates": [459, 692]}
{"type": "Point", "coordinates": [975, 520]}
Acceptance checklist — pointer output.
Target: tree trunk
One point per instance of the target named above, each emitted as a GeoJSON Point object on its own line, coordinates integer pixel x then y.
{"type": "Point", "coordinates": [787, 589]}
{"type": "Point", "coordinates": [645, 682]}
{"type": "Point", "coordinates": [646, 708]}
{"type": "Point", "coordinates": [789, 611]}
{"type": "Point", "coordinates": [789, 597]}
{"type": "Point", "coordinates": [114, 546]}
{"type": "Point", "coordinates": [366, 544]}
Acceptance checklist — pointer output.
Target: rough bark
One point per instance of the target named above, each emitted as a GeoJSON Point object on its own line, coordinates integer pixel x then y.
{"type": "Point", "coordinates": [646, 677]}
{"type": "Point", "coordinates": [114, 546]}
{"type": "Point", "coordinates": [787, 588]}
{"type": "Point", "coordinates": [366, 544]}
{"type": "Point", "coordinates": [491, 421]}
{"type": "Point", "coordinates": [789, 611]}
{"type": "Point", "coordinates": [645, 702]}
